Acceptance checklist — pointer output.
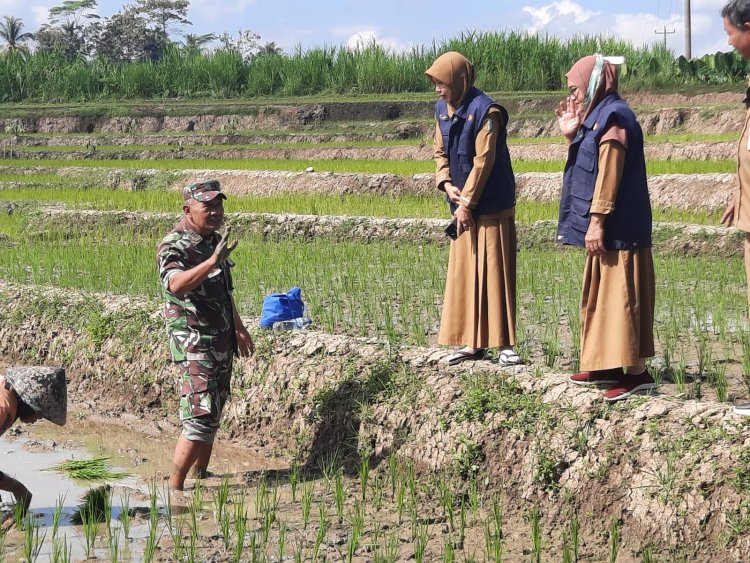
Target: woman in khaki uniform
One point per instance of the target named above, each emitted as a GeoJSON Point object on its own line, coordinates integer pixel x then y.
{"type": "Point", "coordinates": [605, 208]}
{"type": "Point", "coordinates": [474, 171]}
{"type": "Point", "coordinates": [736, 14]}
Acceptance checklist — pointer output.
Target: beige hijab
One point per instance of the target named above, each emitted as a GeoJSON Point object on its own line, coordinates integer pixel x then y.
{"type": "Point", "coordinates": [456, 71]}
{"type": "Point", "coordinates": [580, 76]}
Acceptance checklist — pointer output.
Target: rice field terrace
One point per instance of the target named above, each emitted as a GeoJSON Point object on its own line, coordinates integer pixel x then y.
{"type": "Point", "coordinates": [372, 449]}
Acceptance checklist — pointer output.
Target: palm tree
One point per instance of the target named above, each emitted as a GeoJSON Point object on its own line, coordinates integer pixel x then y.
{"type": "Point", "coordinates": [10, 32]}
{"type": "Point", "coordinates": [194, 43]}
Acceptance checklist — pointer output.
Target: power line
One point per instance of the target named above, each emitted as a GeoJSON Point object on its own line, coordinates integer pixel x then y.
{"type": "Point", "coordinates": [664, 33]}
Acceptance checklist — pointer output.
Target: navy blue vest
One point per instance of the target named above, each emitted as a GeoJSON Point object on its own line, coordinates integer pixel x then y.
{"type": "Point", "coordinates": [628, 227]}
{"type": "Point", "coordinates": [459, 141]}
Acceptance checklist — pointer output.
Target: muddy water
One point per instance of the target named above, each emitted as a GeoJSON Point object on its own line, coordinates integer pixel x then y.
{"type": "Point", "coordinates": [28, 452]}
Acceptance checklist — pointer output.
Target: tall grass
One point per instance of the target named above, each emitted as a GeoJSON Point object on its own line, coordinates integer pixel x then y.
{"type": "Point", "coordinates": [505, 60]}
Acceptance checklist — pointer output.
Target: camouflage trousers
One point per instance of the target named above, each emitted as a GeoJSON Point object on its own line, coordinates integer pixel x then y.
{"type": "Point", "coordinates": [204, 389]}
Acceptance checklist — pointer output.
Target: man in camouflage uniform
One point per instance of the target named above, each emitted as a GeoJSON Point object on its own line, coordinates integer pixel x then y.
{"type": "Point", "coordinates": [28, 394]}
{"type": "Point", "coordinates": [204, 327]}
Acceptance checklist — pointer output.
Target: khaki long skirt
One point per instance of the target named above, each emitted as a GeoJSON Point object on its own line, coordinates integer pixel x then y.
{"type": "Point", "coordinates": [617, 309]}
{"type": "Point", "coordinates": [479, 308]}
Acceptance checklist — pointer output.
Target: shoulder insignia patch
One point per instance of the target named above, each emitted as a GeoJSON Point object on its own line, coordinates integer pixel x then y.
{"type": "Point", "coordinates": [488, 126]}
{"type": "Point", "coordinates": [470, 118]}
{"type": "Point", "coordinates": [595, 127]}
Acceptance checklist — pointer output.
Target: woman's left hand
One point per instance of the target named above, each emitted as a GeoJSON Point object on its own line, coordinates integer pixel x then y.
{"type": "Point", "coordinates": [595, 235]}
{"type": "Point", "coordinates": [464, 220]}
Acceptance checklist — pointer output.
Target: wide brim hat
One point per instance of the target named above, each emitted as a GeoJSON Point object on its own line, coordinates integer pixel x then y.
{"type": "Point", "coordinates": [42, 388]}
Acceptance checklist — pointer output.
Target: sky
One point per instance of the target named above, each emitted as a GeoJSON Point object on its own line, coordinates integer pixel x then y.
{"type": "Point", "coordinates": [402, 24]}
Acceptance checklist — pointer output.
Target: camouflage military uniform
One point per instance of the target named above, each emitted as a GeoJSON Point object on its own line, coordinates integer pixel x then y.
{"type": "Point", "coordinates": [200, 326]}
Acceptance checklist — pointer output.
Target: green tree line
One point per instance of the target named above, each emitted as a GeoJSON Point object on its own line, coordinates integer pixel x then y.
{"type": "Point", "coordinates": [78, 56]}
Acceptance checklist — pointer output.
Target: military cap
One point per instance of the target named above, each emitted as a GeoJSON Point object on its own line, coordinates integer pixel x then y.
{"type": "Point", "coordinates": [203, 191]}
{"type": "Point", "coordinates": [43, 389]}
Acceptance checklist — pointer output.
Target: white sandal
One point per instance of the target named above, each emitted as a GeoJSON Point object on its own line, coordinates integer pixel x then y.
{"type": "Point", "coordinates": [509, 358]}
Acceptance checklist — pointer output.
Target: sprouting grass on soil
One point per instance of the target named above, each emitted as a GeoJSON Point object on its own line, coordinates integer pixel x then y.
{"type": "Point", "coordinates": [373, 289]}
{"type": "Point", "coordinates": [398, 167]}
{"type": "Point", "coordinates": [399, 206]}
{"type": "Point", "coordinates": [95, 469]}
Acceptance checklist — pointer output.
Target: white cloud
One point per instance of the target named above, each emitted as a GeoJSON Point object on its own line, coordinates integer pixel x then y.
{"type": "Point", "coordinates": [364, 37]}
{"type": "Point", "coordinates": [550, 13]}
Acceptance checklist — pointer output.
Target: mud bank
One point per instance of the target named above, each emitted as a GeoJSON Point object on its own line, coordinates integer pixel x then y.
{"type": "Point", "coordinates": [544, 153]}
{"type": "Point", "coordinates": [532, 120]}
{"type": "Point", "coordinates": [673, 472]}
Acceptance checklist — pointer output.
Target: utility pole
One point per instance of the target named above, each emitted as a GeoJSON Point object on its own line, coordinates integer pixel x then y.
{"type": "Point", "coordinates": [688, 41]}
{"type": "Point", "coordinates": [665, 33]}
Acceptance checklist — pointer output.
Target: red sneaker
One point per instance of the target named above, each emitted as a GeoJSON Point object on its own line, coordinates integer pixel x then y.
{"type": "Point", "coordinates": [630, 385]}
{"type": "Point", "coordinates": [597, 377]}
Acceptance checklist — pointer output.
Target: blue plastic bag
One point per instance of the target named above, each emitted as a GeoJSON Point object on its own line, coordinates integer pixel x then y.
{"type": "Point", "coordinates": [282, 307]}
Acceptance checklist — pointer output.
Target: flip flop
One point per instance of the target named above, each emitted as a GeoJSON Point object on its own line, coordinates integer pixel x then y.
{"type": "Point", "coordinates": [462, 356]}
{"type": "Point", "coordinates": [509, 358]}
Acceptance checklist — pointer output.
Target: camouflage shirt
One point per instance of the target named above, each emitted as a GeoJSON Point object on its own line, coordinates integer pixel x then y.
{"type": "Point", "coordinates": [201, 323]}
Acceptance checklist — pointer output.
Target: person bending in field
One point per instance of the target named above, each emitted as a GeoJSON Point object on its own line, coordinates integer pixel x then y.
{"type": "Point", "coordinates": [28, 394]}
{"type": "Point", "coordinates": [605, 208]}
{"type": "Point", "coordinates": [204, 328]}
{"type": "Point", "coordinates": [474, 170]}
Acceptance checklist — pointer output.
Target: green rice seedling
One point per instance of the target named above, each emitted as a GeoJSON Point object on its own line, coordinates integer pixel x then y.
{"type": "Point", "coordinates": [393, 471]}
{"type": "Point", "coordinates": [400, 498]}
{"type": "Point", "coordinates": [377, 491]}
{"type": "Point", "coordinates": [294, 477]}
{"type": "Point", "coordinates": [536, 534]}
{"type": "Point", "coordinates": [90, 529]}
{"type": "Point", "coordinates": [567, 552]}
{"type": "Point", "coordinates": [474, 499]}
{"type": "Point", "coordinates": [32, 539]}
{"type": "Point", "coordinates": [95, 504]}
{"type": "Point", "coordinates": [113, 544]}
{"type": "Point", "coordinates": [364, 474]}
{"type": "Point", "coordinates": [324, 523]}
{"type": "Point", "coordinates": [178, 537]}
{"type": "Point", "coordinates": [283, 531]}
{"type": "Point", "coordinates": [411, 480]}
{"type": "Point", "coordinates": [329, 465]}
{"type": "Point", "coordinates": [153, 537]}
{"type": "Point", "coordinates": [575, 536]}
{"type": "Point", "coordinates": [722, 384]}
{"type": "Point", "coordinates": [421, 538]}
{"type": "Point", "coordinates": [240, 524]}
{"type": "Point", "coordinates": [353, 543]}
{"type": "Point", "coordinates": [339, 496]}
{"type": "Point", "coordinates": [449, 552]}
{"type": "Point", "coordinates": [95, 469]}
{"type": "Point", "coordinates": [493, 545]}
{"type": "Point", "coordinates": [57, 515]}
{"type": "Point", "coordinates": [221, 497]}
{"type": "Point", "coordinates": [60, 550]}
{"type": "Point", "coordinates": [462, 523]}
{"type": "Point", "coordinates": [225, 525]}
{"type": "Point", "coordinates": [125, 515]}
{"type": "Point", "coordinates": [614, 540]}
{"type": "Point", "coordinates": [307, 498]}
{"type": "Point", "coordinates": [108, 512]}
{"type": "Point", "coordinates": [389, 552]}
{"type": "Point", "coordinates": [496, 527]}
{"type": "Point", "coordinates": [192, 547]}
{"type": "Point", "coordinates": [447, 501]}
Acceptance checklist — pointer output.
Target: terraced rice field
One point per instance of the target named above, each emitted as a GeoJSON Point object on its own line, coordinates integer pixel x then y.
{"type": "Point", "coordinates": [347, 211]}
